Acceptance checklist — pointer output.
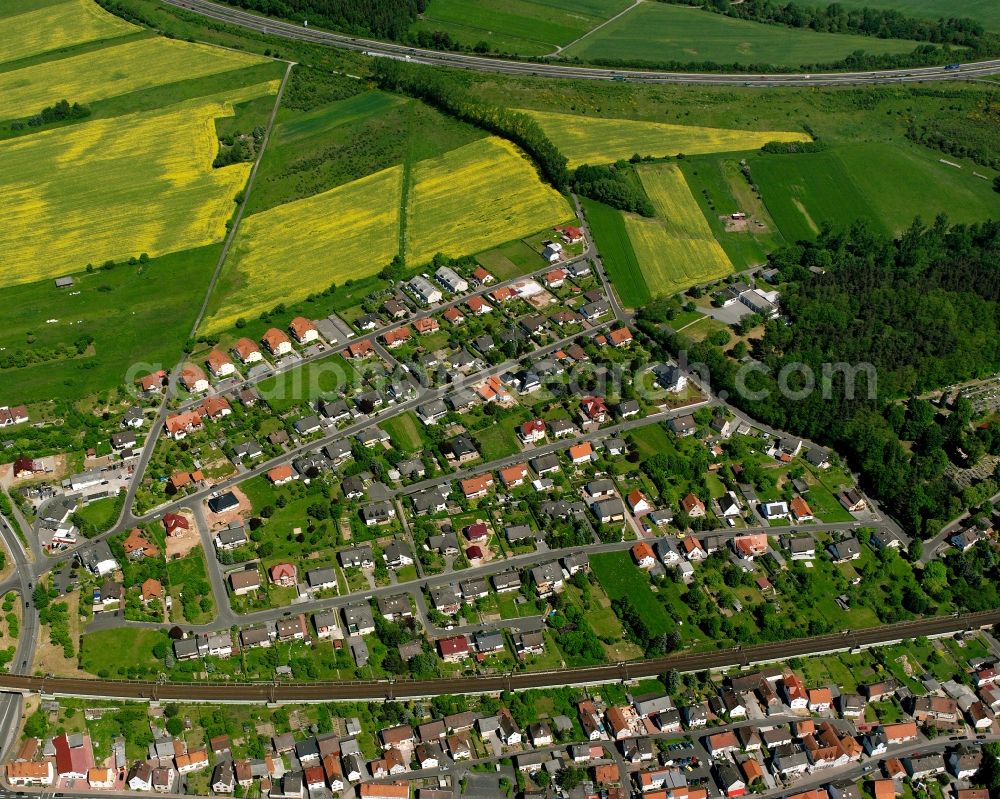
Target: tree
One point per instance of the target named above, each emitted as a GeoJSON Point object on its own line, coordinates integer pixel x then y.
{"type": "Point", "coordinates": [175, 726]}
{"type": "Point", "coordinates": [570, 777]}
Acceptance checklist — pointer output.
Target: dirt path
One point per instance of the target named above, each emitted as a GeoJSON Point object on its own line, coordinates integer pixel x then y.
{"type": "Point", "coordinates": [558, 51]}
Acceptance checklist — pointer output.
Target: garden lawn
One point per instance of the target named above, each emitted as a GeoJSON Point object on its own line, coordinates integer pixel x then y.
{"type": "Point", "coordinates": [405, 431]}
{"type": "Point", "coordinates": [101, 514]}
{"type": "Point", "coordinates": [620, 577]}
{"type": "Point", "coordinates": [109, 650]}
{"type": "Point", "coordinates": [304, 385]}
{"type": "Point", "coordinates": [187, 574]}
{"type": "Point", "coordinates": [497, 441]}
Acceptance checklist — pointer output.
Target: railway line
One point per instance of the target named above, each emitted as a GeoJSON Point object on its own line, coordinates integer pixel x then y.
{"type": "Point", "coordinates": [361, 690]}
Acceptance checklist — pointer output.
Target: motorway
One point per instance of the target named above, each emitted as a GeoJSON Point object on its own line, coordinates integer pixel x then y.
{"type": "Point", "coordinates": [401, 689]}
{"type": "Point", "coordinates": [480, 63]}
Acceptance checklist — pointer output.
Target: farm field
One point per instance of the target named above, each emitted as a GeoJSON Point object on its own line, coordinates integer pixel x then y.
{"type": "Point", "coordinates": [611, 236]}
{"type": "Point", "coordinates": [135, 314]}
{"type": "Point", "coordinates": [658, 33]}
{"type": "Point", "coordinates": [475, 197]}
{"type": "Point", "coordinates": [602, 140]}
{"type": "Point", "coordinates": [720, 189]}
{"type": "Point", "coordinates": [290, 251]}
{"type": "Point", "coordinates": [677, 249]}
{"type": "Point", "coordinates": [312, 151]}
{"type": "Point", "coordinates": [39, 30]}
{"type": "Point", "coordinates": [521, 27]}
{"type": "Point", "coordinates": [112, 189]}
{"type": "Point", "coordinates": [840, 186]}
{"type": "Point", "coordinates": [112, 71]}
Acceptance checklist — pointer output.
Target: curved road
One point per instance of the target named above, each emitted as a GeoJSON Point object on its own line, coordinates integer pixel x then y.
{"type": "Point", "coordinates": [377, 690]}
{"type": "Point", "coordinates": [416, 55]}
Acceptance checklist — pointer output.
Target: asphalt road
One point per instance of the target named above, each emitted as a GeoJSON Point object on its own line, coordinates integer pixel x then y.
{"type": "Point", "coordinates": [378, 690]}
{"type": "Point", "coordinates": [479, 63]}
{"type": "Point", "coordinates": [10, 704]}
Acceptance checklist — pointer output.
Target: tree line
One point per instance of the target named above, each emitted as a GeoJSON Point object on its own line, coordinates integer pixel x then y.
{"type": "Point", "coordinates": [447, 95]}
{"type": "Point", "coordinates": [882, 23]}
{"type": "Point", "coordinates": [384, 19]}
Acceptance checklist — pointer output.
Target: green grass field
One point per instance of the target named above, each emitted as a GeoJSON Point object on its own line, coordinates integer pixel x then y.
{"type": "Point", "coordinates": [611, 236]}
{"type": "Point", "coordinates": [721, 189]}
{"type": "Point", "coordinates": [602, 140]}
{"type": "Point", "coordinates": [135, 314]}
{"type": "Point", "coordinates": [313, 151]}
{"type": "Point", "coordinates": [521, 27]}
{"type": "Point", "coordinates": [101, 514]}
{"type": "Point", "coordinates": [887, 185]}
{"type": "Point", "coordinates": [658, 32]}
{"type": "Point", "coordinates": [110, 650]}
{"type": "Point", "coordinates": [404, 431]}
{"type": "Point", "coordinates": [620, 577]}
{"type": "Point", "coordinates": [304, 385]}
{"type": "Point", "coordinates": [497, 442]}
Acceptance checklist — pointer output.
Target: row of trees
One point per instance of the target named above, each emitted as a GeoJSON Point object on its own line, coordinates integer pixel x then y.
{"type": "Point", "coordinates": [58, 112]}
{"type": "Point", "coordinates": [883, 23]}
{"type": "Point", "coordinates": [384, 19]}
{"type": "Point", "coordinates": [448, 96]}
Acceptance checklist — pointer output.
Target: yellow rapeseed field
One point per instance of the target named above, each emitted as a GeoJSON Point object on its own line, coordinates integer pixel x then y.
{"type": "Point", "coordinates": [595, 140]}
{"type": "Point", "coordinates": [52, 27]}
{"type": "Point", "coordinates": [112, 71]}
{"type": "Point", "coordinates": [677, 250]}
{"type": "Point", "coordinates": [114, 188]}
{"type": "Point", "coordinates": [290, 251]}
{"type": "Point", "coordinates": [476, 197]}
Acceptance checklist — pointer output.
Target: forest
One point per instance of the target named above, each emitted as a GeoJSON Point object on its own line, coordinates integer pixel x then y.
{"type": "Point", "coordinates": [383, 19]}
{"type": "Point", "coordinates": [884, 23]}
{"type": "Point", "coordinates": [922, 311]}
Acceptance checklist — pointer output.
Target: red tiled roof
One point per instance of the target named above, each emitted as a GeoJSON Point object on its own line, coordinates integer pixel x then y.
{"type": "Point", "coordinates": [273, 338]}
{"type": "Point", "coordinates": [280, 473]}
{"type": "Point", "coordinates": [244, 348]}
{"type": "Point", "coordinates": [300, 326]}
